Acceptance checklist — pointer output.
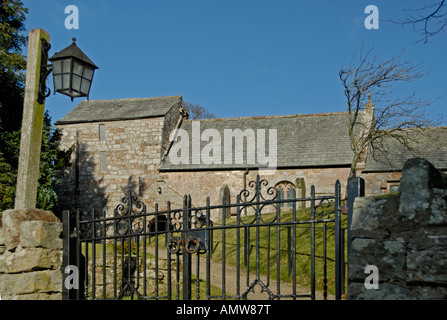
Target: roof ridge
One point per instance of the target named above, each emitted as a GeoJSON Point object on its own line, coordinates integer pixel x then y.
{"type": "Point", "coordinates": [272, 116]}
{"type": "Point", "coordinates": [132, 99]}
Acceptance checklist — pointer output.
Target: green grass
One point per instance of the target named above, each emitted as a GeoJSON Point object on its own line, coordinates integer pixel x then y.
{"type": "Point", "coordinates": [303, 249]}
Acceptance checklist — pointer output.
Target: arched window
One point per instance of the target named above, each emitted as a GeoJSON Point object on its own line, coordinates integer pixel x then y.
{"type": "Point", "coordinates": [285, 190]}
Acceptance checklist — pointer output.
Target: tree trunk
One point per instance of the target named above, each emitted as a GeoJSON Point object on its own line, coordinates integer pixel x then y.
{"type": "Point", "coordinates": [353, 171]}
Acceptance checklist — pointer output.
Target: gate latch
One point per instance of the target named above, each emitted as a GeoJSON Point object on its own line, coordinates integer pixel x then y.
{"type": "Point", "coordinates": [195, 241]}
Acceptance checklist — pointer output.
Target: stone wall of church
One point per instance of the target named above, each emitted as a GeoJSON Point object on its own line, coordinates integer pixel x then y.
{"type": "Point", "coordinates": [104, 168]}
{"type": "Point", "coordinates": [202, 184]}
{"type": "Point", "coordinates": [126, 158]}
{"type": "Point", "coordinates": [114, 158]}
{"type": "Point", "coordinates": [377, 183]}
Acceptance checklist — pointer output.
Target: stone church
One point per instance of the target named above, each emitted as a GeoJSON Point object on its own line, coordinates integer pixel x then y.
{"type": "Point", "coordinates": [150, 148]}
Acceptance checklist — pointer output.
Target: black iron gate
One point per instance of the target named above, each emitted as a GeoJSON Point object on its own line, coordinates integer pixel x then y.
{"type": "Point", "coordinates": [262, 247]}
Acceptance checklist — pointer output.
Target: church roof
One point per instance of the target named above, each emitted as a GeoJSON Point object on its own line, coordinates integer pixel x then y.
{"type": "Point", "coordinates": [316, 140]}
{"type": "Point", "coordinates": [121, 109]}
{"type": "Point", "coordinates": [431, 145]}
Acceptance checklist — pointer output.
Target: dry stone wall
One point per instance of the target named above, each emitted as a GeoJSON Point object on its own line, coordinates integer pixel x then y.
{"type": "Point", "coordinates": [404, 237]}
{"type": "Point", "coordinates": [30, 255]}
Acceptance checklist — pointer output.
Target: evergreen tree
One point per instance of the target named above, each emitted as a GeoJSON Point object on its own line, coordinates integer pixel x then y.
{"type": "Point", "coordinates": [12, 64]}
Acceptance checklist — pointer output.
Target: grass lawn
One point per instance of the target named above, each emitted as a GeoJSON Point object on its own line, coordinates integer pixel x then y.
{"type": "Point", "coordinates": [268, 249]}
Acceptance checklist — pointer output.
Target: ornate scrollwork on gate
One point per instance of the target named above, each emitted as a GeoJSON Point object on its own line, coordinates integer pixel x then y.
{"type": "Point", "coordinates": [325, 208]}
{"type": "Point", "coordinates": [129, 214]}
{"type": "Point", "coordinates": [258, 199]}
{"type": "Point", "coordinates": [175, 220]}
{"type": "Point", "coordinates": [92, 225]}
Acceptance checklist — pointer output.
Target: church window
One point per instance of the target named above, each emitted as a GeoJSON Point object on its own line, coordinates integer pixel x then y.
{"type": "Point", "coordinates": [102, 132]}
{"type": "Point", "coordinates": [103, 161]}
{"type": "Point", "coordinates": [285, 190]}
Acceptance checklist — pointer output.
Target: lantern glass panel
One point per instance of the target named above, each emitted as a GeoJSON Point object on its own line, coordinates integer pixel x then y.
{"type": "Point", "coordinates": [76, 85]}
{"type": "Point", "coordinates": [88, 72]}
{"type": "Point", "coordinates": [65, 81]}
{"type": "Point", "coordinates": [57, 66]}
{"type": "Point", "coordinates": [85, 86]}
{"type": "Point", "coordinates": [66, 66]}
{"type": "Point", "coordinates": [57, 81]}
{"type": "Point", "coordinates": [77, 68]}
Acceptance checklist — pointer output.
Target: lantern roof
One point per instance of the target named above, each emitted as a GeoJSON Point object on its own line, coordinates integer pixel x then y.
{"type": "Point", "coordinates": [73, 51]}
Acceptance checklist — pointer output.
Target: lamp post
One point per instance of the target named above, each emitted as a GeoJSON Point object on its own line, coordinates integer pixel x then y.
{"type": "Point", "coordinates": [73, 74]}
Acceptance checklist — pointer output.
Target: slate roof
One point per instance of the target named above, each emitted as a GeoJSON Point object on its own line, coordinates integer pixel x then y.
{"type": "Point", "coordinates": [432, 146]}
{"type": "Point", "coordinates": [121, 109]}
{"type": "Point", "coordinates": [303, 141]}
{"type": "Point", "coordinates": [316, 140]}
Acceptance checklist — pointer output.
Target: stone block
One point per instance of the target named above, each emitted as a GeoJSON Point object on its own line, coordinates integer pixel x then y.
{"type": "Point", "coordinates": [418, 178]}
{"type": "Point", "coordinates": [3, 261]}
{"type": "Point", "coordinates": [428, 266]}
{"type": "Point", "coordinates": [438, 207]}
{"type": "Point", "coordinates": [2, 238]}
{"type": "Point", "coordinates": [386, 291]}
{"type": "Point", "coordinates": [13, 218]}
{"type": "Point", "coordinates": [373, 218]}
{"type": "Point", "coordinates": [426, 238]}
{"type": "Point", "coordinates": [387, 256]}
{"type": "Point", "coordinates": [41, 234]}
{"type": "Point", "coordinates": [30, 259]}
{"type": "Point", "coordinates": [47, 281]}
{"type": "Point", "coordinates": [37, 296]}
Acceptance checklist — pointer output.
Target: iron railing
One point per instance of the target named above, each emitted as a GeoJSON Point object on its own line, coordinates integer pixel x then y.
{"type": "Point", "coordinates": [187, 252]}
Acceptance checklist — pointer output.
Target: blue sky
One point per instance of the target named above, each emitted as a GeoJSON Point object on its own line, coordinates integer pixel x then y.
{"type": "Point", "coordinates": [236, 58]}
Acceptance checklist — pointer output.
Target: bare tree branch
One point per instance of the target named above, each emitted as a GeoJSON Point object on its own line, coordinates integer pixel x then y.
{"type": "Point", "coordinates": [429, 21]}
{"type": "Point", "coordinates": [370, 78]}
{"type": "Point", "coordinates": [196, 111]}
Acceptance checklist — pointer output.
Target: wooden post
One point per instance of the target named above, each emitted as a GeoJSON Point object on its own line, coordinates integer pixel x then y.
{"type": "Point", "coordinates": [32, 123]}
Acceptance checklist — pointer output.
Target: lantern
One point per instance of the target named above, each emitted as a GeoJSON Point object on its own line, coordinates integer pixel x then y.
{"type": "Point", "coordinates": [72, 72]}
